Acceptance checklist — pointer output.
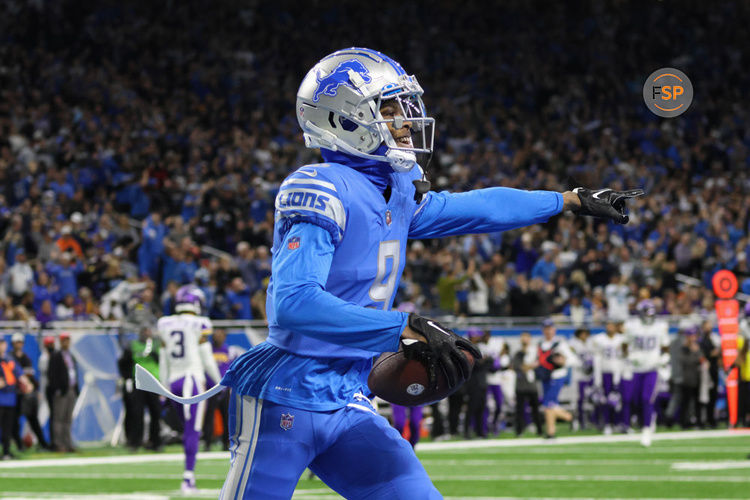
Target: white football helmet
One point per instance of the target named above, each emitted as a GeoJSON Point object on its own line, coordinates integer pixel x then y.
{"type": "Point", "coordinates": [338, 108]}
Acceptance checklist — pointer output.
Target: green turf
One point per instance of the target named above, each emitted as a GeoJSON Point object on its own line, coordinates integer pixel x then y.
{"type": "Point", "coordinates": [611, 470]}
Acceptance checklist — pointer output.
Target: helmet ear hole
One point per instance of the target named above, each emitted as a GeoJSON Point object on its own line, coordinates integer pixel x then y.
{"type": "Point", "coordinates": [347, 124]}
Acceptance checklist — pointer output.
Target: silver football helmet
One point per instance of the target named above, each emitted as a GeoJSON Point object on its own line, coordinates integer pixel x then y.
{"type": "Point", "coordinates": [339, 101]}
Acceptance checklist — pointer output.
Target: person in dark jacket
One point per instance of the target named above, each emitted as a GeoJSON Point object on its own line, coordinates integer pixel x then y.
{"type": "Point", "coordinates": [63, 381]}
{"type": "Point", "coordinates": [711, 347]}
{"type": "Point", "coordinates": [524, 363]}
{"type": "Point", "coordinates": [476, 387]}
{"type": "Point", "coordinates": [143, 351]}
{"type": "Point", "coordinates": [692, 357]}
{"type": "Point", "coordinates": [27, 404]}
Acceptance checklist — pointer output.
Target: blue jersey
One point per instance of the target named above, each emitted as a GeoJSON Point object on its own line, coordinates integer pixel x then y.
{"type": "Point", "coordinates": [338, 254]}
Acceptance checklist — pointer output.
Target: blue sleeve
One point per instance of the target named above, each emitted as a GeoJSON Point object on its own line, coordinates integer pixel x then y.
{"type": "Point", "coordinates": [304, 197]}
{"type": "Point", "coordinates": [303, 305]}
{"type": "Point", "coordinates": [482, 211]}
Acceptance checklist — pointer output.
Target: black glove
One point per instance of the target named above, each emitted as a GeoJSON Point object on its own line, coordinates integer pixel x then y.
{"type": "Point", "coordinates": [441, 352]}
{"type": "Point", "coordinates": [605, 203]}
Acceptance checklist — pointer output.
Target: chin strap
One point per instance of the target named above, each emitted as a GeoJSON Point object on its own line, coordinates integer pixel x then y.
{"type": "Point", "coordinates": [422, 187]}
{"type": "Point", "coordinates": [400, 161]}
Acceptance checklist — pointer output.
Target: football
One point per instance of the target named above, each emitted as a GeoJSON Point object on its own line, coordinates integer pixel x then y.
{"type": "Point", "coordinates": [405, 382]}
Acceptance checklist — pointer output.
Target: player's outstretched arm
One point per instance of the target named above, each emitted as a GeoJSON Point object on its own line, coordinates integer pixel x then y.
{"type": "Point", "coordinates": [604, 203]}
{"type": "Point", "coordinates": [501, 209]}
{"type": "Point", "coordinates": [301, 303]}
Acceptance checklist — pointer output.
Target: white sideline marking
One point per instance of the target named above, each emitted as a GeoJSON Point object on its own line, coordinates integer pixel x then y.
{"type": "Point", "coordinates": [597, 478]}
{"type": "Point", "coordinates": [469, 446]}
{"type": "Point", "coordinates": [617, 438]}
{"type": "Point", "coordinates": [101, 475]}
{"type": "Point", "coordinates": [718, 465]}
{"type": "Point", "coordinates": [445, 462]}
{"type": "Point", "coordinates": [114, 460]}
{"type": "Point", "coordinates": [22, 495]}
{"type": "Point", "coordinates": [637, 451]}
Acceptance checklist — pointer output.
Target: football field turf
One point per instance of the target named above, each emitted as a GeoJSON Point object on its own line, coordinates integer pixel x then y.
{"type": "Point", "coordinates": [708, 464]}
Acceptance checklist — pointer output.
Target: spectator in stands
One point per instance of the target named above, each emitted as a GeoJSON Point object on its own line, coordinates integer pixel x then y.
{"type": "Point", "coordinates": [64, 310]}
{"type": "Point", "coordinates": [45, 314]}
{"type": "Point", "coordinates": [238, 296]}
{"type": "Point", "coordinates": [141, 312]}
{"type": "Point", "coordinates": [618, 298]}
{"type": "Point", "coordinates": [63, 380]}
{"type": "Point", "coordinates": [545, 267]}
{"type": "Point", "coordinates": [43, 290]}
{"type": "Point", "coordinates": [21, 276]}
{"type": "Point", "coordinates": [27, 405]}
{"type": "Point", "coordinates": [68, 243]}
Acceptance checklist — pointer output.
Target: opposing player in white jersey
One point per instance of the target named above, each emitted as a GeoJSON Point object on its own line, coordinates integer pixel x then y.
{"type": "Point", "coordinates": [646, 344]}
{"type": "Point", "coordinates": [608, 359]}
{"type": "Point", "coordinates": [184, 360]}
{"type": "Point", "coordinates": [580, 344]}
{"type": "Point", "coordinates": [497, 350]}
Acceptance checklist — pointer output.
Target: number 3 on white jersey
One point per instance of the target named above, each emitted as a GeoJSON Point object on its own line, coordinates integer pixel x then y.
{"type": "Point", "coordinates": [382, 289]}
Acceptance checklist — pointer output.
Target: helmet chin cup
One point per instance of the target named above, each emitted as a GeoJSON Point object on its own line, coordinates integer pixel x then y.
{"type": "Point", "coordinates": [401, 161]}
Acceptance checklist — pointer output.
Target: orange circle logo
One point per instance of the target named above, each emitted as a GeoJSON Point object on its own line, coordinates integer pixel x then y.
{"type": "Point", "coordinates": [725, 284]}
{"type": "Point", "coordinates": [668, 92]}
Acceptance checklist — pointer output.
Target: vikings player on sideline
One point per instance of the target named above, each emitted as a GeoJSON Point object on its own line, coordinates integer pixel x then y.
{"type": "Point", "coordinates": [645, 345]}
{"type": "Point", "coordinates": [608, 355]}
{"type": "Point", "coordinates": [300, 398]}
{"type": "Point", "coordinates": [184, 360]}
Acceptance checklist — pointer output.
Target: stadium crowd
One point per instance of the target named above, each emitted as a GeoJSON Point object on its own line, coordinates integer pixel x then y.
{"type": "Point", "coordinates": [142, 146]}
{"type": "Point", "coordinates": [107, 118]}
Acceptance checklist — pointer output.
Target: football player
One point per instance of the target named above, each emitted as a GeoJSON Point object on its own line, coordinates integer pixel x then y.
{"type": "Point", "coordinates": [184, 360]}
{"type": "Point", "coordinates": [415, 421]}
{"type": "Point", "coordinates": [608, 354]}
{"type": "Point", "coordinates": [646, 345]}
{"type": "Point", "coordinates": [555, 357]}
{"type": "Point", "coordinates": [583, 372]}
{"type": "Point", "coordinates": [340, 238]}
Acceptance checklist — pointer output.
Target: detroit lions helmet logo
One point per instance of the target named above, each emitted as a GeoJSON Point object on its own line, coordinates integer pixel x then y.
{"type": "Point", "coordinates": [340, 76]}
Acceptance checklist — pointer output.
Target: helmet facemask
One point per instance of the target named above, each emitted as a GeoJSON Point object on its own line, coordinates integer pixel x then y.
{"type": "Point", "coordinates": [410, 113]}
{"type": "Point", "coordinates": [359, 128]}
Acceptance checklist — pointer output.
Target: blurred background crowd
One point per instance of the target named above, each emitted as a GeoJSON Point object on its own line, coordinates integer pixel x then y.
{"type": "Point", "coordinates": [142, 146]}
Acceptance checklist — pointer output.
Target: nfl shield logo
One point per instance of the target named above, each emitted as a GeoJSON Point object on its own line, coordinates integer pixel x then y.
{"type": "Point", "coordinates": [287, 421]}
{"type": "Point", "coordinates": [293, 243]}
{"type": "Point", "coordinates": [388, 219]}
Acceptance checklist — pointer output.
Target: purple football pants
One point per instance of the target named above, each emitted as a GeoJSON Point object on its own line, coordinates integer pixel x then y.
{"type": "Point", "coordinates": [640, 391]}
{"type": "Point", "coordinates": [415, 419]}
{"type": "Point", "coordinates": [191, 416]}
{"type": "Point", "coordinates": [497, 395]}
{"type": "Point", "coordinates": [608, 386]}
{"type": "Point", "coordinates": [582, 386]}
